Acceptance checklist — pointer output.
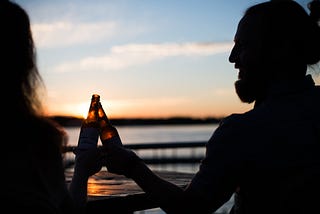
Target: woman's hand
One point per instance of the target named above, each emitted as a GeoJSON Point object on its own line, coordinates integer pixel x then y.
{"type": "Point", "coordinates": [88, 162]}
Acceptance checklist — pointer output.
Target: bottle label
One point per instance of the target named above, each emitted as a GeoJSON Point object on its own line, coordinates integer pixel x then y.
{"type": "Point", "coordinates": [114, 140]}
{"type": "Point", "coordinates": [88, 138]}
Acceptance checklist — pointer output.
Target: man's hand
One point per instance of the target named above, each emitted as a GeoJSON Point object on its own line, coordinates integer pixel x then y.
{"type": "Point", "coordinates": [120, 160]}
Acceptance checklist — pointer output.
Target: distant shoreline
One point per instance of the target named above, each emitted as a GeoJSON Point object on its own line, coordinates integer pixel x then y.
{"type": "Point", "coordinates": [69, 121]}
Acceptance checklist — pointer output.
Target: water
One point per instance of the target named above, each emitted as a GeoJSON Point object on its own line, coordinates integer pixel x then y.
{"type": "Point", "coordinates": [161, 134]}
{"type": "Point", "coordinates": [155, 134]}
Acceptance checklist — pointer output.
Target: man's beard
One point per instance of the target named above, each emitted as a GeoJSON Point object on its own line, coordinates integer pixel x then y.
{"type": "Point", "coordinates": [248, 90]}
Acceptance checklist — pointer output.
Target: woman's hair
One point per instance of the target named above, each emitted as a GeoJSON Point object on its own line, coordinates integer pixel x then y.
{"type": "Point", "coordinates": [18, 60]}
{"type": "Point", "coordinates": [289, 36]}
{"type": "Point", "coordinates": [24, 82]}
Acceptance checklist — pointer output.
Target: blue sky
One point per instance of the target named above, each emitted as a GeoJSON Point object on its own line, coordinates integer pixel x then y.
{"type": "Point", "coordinates": [146, 58]}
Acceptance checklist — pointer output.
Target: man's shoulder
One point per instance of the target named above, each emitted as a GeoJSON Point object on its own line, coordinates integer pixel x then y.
{"type": "Point", "coordinates": [231, 125]}
{"type": "Point", "coordinates": [239, 124]}
{"type": "Point", "coordinates": [237, 118]}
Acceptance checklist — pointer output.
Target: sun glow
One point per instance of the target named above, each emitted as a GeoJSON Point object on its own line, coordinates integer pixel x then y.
{"type": "Point", "coordinates": [82, 109]}
{"type": "Point", "coordinates": [76, 110]}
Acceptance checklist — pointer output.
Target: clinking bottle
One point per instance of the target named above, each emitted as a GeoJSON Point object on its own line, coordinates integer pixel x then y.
{"type": "Point", "coordinates": [89, 131]}
{"type": "Point", "coordinates": [108, 133]}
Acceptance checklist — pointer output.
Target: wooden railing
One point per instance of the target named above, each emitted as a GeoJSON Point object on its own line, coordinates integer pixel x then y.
{"type": "Point", "coordinates": [163, 153]}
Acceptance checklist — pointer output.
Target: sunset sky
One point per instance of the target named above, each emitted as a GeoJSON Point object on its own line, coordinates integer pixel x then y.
{"type": "Point", "coordinates": [146, 58]}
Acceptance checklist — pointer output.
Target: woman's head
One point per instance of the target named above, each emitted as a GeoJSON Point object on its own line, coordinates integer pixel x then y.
{"type": "Point", "coordinates": [17, 61]}
{"type": "Point", "coordinates": [275, 40]}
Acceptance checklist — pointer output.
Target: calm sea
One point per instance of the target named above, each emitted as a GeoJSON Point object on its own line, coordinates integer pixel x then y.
{"type": "Point", "coordinates": [155, 133]}
{"type": "Point", "coordinates": [161, 134]}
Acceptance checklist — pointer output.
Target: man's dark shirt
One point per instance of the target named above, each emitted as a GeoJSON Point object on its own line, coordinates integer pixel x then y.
{"type": "Point", "coordinates": [269, 156]}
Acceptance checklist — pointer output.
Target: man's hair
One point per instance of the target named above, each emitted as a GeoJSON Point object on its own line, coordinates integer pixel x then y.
{"type": "Point", "coordinates": [286, 26]}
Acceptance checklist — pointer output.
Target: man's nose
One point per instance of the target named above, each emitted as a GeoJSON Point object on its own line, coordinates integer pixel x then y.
{"type": "Point", "coordinates": [232, 56]}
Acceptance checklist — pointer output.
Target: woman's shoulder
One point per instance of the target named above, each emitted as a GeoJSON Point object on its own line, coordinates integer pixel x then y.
{"type": "Point", "coordinates": [39, 131]}
{"type": "Point", "coordinates": [51, 130]}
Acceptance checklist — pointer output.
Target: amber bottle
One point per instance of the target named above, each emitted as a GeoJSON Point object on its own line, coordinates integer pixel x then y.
{"type": "Point", "coordinates": [108, 133]}
{"type": "Point", "coordinates": [89, 131]}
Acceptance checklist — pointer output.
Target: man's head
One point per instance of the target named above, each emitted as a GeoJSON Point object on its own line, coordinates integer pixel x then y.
{"type": "Point", "coordinates": [275, 41]}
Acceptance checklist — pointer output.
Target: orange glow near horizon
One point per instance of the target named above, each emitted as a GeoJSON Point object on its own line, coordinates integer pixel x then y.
{"type": "Point", "coordinates": [219, 106]}
{"type": "Point", "coordinates": [115, 110]}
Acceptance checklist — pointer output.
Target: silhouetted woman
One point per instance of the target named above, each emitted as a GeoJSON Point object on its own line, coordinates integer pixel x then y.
{"type": "Point", "coordinates": [32, 172]}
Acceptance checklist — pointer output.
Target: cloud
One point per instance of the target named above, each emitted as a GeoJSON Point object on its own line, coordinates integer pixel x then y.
{"type": "Point", "coordinates": [61, 34]}
{"type": "Point", "coordinates": [172, 49]}
{"type": "Point", "coordinates": [124, 56]}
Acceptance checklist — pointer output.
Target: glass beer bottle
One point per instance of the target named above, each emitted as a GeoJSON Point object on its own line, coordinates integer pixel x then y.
{"type": "Point", "coordinates": [108, 133]}
{"type": "Point", "coordinates": [89, 132]}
